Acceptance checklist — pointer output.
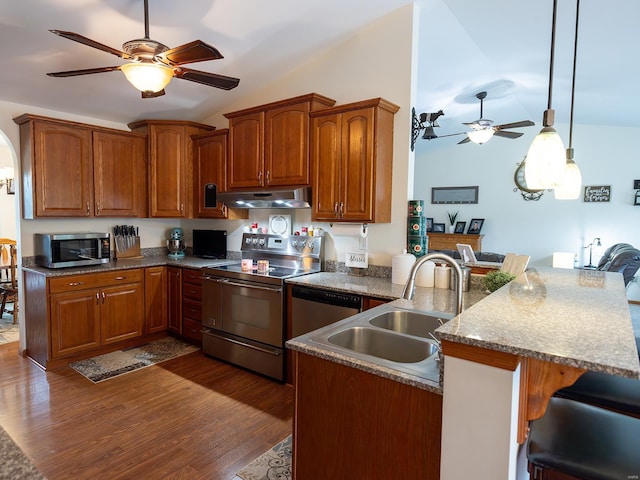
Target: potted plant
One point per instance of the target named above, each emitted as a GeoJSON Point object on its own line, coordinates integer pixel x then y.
{"type": "Point", "coordinates": [452, 220]}
{"type": "Point", "coordinates": [496, 279]}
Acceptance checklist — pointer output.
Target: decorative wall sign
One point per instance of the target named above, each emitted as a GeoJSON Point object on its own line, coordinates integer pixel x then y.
{"type": "Point", "coordinates": [597, 193]}
{"type": "Point", "coordinates": [454, 194]}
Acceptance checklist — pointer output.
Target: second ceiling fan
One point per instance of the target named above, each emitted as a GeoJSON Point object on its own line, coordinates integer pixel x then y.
{"type": "Point", "coordinates": [483, 129]}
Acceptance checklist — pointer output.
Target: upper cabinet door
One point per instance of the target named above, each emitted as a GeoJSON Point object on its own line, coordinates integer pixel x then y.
{"type": "Point", "coordinates": [167, 171]}
{"type": "Point", "coordinates": [61, 169]}
{"type": "Point", "coordinates": [119, 163]}
{"type": "Point", "coordinates": [246, 152]}
{"type": "Point", "coordinates": [326, 155]}
{"type": "Point", "coordinates": [209, 167]}
{"type": "Point", "coordinates": [286, 155]}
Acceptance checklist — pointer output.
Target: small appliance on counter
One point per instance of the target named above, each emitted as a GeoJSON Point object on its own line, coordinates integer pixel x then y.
{"type": "Point", "coordinates": [175, 244]}
{"type": "Point", "coordinates": [210, 243]}
{"type": "Point", "coordinates": [61, 250]}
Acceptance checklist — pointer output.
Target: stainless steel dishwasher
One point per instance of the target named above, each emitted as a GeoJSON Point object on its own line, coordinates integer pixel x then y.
{"type": "Point", "coordinates": [313, 308]}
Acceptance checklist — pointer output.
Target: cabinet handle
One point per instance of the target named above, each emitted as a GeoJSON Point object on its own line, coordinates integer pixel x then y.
{"type": "Point", "coordinates": [268, 177]}
{"type": "Point", "coordinates": [88, 211]}
{"type": "Point", "coordinates": [335, 210]}
{"type": "Point", "coordinates": [182, 208]}
{"type": "Point", "coordinates": [97, 297]}
{"type": "Point", "coordinates": [103, 297]}
{"type": "Point", "coordinates": [75, 284]}
{"type": "Point", "coordinates": [260, 178]}
{"type": "Point", "coordinates": [123, 277]}
{"type": "Point", "coordinates": [341, 209]}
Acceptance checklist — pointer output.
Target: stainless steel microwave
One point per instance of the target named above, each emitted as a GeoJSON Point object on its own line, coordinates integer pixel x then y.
{"type": "Point", "coordinates": [60, 250]}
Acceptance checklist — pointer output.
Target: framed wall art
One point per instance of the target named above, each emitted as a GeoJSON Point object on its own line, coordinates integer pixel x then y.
{"type": "Point", "coordinates": [454, 194]}
{"type": "Point", "coordinates": [438, 227]}
{"type": "Point", "coordinates": [460, 227]}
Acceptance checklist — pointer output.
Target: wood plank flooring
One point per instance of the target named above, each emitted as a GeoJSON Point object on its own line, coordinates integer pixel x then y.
{"type": "Point", "coordinates": [188, 418]}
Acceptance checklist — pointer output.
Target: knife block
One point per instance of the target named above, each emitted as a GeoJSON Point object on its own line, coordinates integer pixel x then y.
{"type": "Point", "coordinates": [131, 252]}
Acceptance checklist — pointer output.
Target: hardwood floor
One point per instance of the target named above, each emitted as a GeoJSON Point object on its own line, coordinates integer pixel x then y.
{"type": "Point", "coordinates": [188, 418]}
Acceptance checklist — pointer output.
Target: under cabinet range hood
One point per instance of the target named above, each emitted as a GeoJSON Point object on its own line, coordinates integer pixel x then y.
{"type": "Point", "coordinates": [286, 198]}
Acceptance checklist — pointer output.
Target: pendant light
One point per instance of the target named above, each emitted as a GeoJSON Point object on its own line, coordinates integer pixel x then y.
{"type": "Point", "coordinates": [569, 188]}
{"type": "Point", "coordinates": [546, 158]}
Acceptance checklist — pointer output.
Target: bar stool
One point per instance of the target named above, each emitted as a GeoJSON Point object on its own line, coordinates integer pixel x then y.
{"type": "Point", "coordinates": [576, 441]}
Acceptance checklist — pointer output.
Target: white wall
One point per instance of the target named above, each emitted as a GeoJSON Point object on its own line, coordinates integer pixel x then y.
{"type": "Point", "coordinates": [8, 203]}
{"type": "Point", "coordinates": [537, 228]}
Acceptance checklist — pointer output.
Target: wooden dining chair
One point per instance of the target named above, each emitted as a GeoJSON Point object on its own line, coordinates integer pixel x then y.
{"type": "Point", "coordinates": [9, 288]}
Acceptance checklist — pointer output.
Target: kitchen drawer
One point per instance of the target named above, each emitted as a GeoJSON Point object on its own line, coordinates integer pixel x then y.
{"type": "Point", "coordinates": [192, 292]}
{"type": "Point", "coordinates": [192, 330]}
{"type": "Point", "coordinates": [189, 275]}
{"type": "Point", "coordinates": [192, 310]}
{"type": "Point", "coordinates": [94, 280]}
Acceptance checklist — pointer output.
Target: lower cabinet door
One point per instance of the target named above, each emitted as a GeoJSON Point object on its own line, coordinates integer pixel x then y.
{"type": "Point", "coordinates": [122, 312]}
{"type": "Point", "coordinates": [75, 322]}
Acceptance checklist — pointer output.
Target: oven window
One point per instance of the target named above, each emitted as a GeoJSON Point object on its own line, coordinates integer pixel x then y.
{"type": "Point", "coordinates": [253, 313]}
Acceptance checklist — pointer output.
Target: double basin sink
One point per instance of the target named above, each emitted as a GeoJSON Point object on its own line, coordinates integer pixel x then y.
{"type": "Point", "coordinates": [396, 338]}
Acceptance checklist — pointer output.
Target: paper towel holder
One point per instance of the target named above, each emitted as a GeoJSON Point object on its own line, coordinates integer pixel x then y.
{"type": "Point", "coordinates": [363, 230]}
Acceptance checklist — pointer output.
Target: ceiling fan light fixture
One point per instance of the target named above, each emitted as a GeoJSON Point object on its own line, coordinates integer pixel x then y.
{"type": "Point", "coordinates": [571, 183]}
{"type": "Point", "coordinates": [147, 77]}
{"type": "Point", "coordinates": [480, 135]}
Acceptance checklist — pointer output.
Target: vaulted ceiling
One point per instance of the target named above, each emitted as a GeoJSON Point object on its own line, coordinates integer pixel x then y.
{"type": "Point", "coordinates": [501, 46]}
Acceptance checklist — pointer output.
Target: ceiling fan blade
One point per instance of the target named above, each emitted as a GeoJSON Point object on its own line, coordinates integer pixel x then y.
{"type": "Point", "coordinates": [505, 134]}
{"type": "Point", "coordinates": [196, 51]}
{"type": "Point", "coordinates": [464, 140]}
{"type": "Point", "coordinates": [152, 94]}
{"type": "Point", "coordinates": [86, 71]}
{"type": "Point", "coordinates": [524, 123]}
{"type": "Point", "coordinates": [91, 43]}
{"type": "Point", "coordinates": [206, 78]}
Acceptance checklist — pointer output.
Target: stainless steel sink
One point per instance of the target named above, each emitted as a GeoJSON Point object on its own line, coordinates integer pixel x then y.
{"type": "Point", "coordinates": [409, 322]}
{"type": "Point", "coordinates": [383, 344]}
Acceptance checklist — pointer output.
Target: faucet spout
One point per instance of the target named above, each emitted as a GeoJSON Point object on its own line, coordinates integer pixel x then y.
{"type": "Point", "coordinates": [410, 286]}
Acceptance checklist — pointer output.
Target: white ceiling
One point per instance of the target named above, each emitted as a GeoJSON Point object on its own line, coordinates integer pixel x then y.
{"type": "Point", "coordinates": [465, 46]}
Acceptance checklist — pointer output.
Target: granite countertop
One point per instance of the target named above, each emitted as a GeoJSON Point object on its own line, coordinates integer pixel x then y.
{"type": "Point", "coordinates": [571, 317]}
{"type": "Point", "coordinates": [148, 261]}
{"type": "Point", "coordinates": [578, 318]}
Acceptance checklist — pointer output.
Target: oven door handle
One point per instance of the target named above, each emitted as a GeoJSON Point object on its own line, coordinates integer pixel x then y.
{"type": "Point", "coordinates": [257, 287]}
{"type": "Point", "coordinates": [243, 344]}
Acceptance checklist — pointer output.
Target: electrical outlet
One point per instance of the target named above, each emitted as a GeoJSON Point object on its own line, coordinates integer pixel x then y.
{"type": "Point", "coordinates": [636, 184]}
{"type": "Point", "coordinates": [363, 243]}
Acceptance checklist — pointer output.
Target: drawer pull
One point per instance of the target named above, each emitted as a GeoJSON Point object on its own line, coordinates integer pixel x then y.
{"type": "Point", "coordinates": [122, 277]}
{"type": "Point", "coordinates": [75, 284]}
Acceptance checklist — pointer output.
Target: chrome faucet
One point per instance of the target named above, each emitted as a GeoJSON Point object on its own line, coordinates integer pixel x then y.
{"type": "Point", "coordinates": [410, 286]}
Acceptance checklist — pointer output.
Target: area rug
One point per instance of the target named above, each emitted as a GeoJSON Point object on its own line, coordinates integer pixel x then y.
{"type": "Point", "coordinates": [274, 464]}
{"type": "Point", "coordinates": [110, 365]}
{"type": "Point", "coordinates": [9, 331]}
{"type": "Point", "coordinates": [15, 464]}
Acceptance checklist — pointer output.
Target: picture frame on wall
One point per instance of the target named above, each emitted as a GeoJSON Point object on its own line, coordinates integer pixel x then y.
{"type": "Point", "coordinates": [460, 227]}
{"type": "Point", "coordinates": [475, 226]}
{"type": "Point", "coordinates": [429, 224]}
{"type": "Point", "coordinates": [438, 227]}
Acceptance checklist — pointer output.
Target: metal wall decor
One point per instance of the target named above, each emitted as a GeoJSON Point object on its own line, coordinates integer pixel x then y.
{"type": "Point", "coordinates": [452, 195]}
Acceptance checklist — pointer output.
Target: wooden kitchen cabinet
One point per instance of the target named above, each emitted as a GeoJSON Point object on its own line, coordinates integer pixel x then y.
{"type": "Point", "coordinates": [155, 299]}
{"type": "Point", "coordinates": [269, 144]}
{"type": "Point", "coordinates": [71, 169]}
{"type": "Point", "coordinates": [352, 161]}
{"type": "Point", "coordinates": [170, 177]}
{"type": "Point", "coordinates": [120, 170]}
{"type": "Point", "coordinates": [91, 310]}
{"type": "Point", "coordinates": [174, 298]}
{"type": "Point", "coordinates": [349, 423]}
{"type": "Point", "coordinates": [210, 168]}
{"type": "Point", "coordinates": [192, 305]}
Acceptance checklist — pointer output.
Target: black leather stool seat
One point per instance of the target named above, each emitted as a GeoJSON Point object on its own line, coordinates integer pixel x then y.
{"type": "Point", "coordinates": [585, 441]}
{"type": "Point", "coordinates": [607, 391]}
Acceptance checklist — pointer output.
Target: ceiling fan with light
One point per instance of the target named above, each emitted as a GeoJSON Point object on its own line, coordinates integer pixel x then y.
{"type": "Point", "coordinates": [153, 64]}
{"type": "Point", "coordinates": [483, 129]}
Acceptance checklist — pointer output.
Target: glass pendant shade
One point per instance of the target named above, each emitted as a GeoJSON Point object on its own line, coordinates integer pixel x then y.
{"type": "Point", "coordinates": [546, 160]}
{"type": "Point", "coordinates": [481, 135]}
{"type": "Point", "coordinates": [147, 77]}
{"type": "Point", "coordinates": [571, 184]}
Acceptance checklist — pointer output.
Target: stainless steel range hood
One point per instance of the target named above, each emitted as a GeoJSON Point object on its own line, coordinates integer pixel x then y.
{"type": "Point", "coordinates": [286, 198]}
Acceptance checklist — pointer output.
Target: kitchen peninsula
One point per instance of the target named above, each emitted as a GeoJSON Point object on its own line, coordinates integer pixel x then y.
{"type": "Point", "coordinates": [503, 357]}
